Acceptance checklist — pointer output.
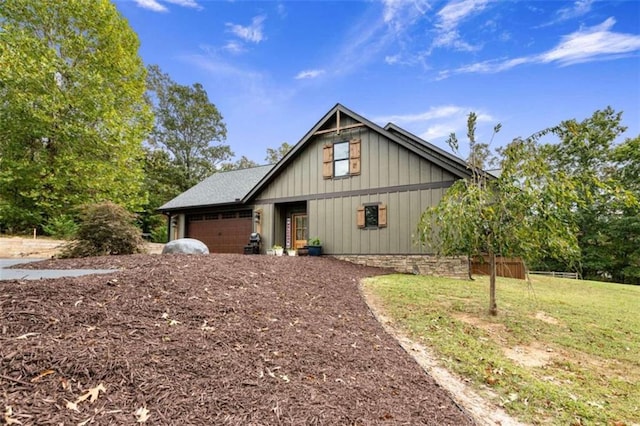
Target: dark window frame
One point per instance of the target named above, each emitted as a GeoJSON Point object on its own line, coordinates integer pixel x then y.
{"type": "Point", "coordinates": [371, 216]}
{"type": "Point", "coordinates": [341, 159]}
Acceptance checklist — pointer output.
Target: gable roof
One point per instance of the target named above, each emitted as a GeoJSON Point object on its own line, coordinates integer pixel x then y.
{"type": "Point", "coordinates": [424, 149]}
{"type": "Point", "coordinates": [438, 155]}
{"type": "Point", "coordinates": [220, 188]}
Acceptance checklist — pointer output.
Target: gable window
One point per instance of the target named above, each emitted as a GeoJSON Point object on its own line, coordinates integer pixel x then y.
{"type": "Point", "coordinates": [372, 216]}
{"type": "Point", "coordinates": [341, 159]}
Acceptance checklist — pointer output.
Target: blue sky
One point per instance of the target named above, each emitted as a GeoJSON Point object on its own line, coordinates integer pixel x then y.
{"type": "Point", "coordinates": [274, 68]}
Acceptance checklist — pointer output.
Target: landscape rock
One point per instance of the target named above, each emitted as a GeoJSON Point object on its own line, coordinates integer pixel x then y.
{"type": "Point", "coordinates": [185, 246]}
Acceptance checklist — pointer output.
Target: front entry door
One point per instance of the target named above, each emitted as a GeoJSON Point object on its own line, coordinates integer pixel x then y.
{"type": "Point", "coordinates": [299, 230]}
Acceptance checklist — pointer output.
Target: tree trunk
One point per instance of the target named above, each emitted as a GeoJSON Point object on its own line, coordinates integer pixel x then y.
{"type": "Point", "coordinates": [493, 307]}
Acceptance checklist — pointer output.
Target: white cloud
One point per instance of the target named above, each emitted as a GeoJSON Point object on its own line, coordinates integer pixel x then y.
{"type": "Point", "coordinates": [185, 3]}
{"type": "Point", "coordinates": [436, 122]}
{"type": "Point", "coordinates": [456, 123]}
{"type": "Point", "coordinates": [577, 9]}
{"type": "Point", "coordinates": [156, 6]}
{"type": "Point", "coordinates": [392, 59]}
{"type": "Point", "coordinates": [244, 87]}
{"type": "Point", "coordinates": [585, 45]}
{"type": "Point", "coordinates": [401, 14]}
{"type": "Point", "coordinates": [580, 7]}
{"type": "Point", "coordinates": [440, 130]}
{"type": "Point", "coordinates": [450, 17]}
{"type": "Point", "coordinates": [282, 10]}
{"type": "Point", "coordinates": [234, 47]}
{"type": "Point", "coordinates": [590, 44]}
{"type": "Point", "coordinates": [307, 74]}
{"type": "Point", "coordinates": [253, 33]}
{"type": "Point", "coordinates": [433, 113]}
{"type": "Point", "coordinates": [391, 8]}
{"type": "Point", "coordinates": [151, 5]}
{"type": "Point", "coordinates": [369, 36]}
{"type": "Point", "coordinates": [456, 11]}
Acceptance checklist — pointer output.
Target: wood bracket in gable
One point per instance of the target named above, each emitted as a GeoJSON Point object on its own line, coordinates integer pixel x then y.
{"type": "Point", "coordinates": [338, 129]}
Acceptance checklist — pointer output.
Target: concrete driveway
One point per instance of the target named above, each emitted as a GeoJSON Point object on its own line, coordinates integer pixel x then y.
{"type": "Point", "coordinates": [37, 274]}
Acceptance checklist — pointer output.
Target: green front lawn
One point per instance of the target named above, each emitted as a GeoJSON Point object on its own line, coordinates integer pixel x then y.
{"type": "Point", "coordinates": [560, 351]}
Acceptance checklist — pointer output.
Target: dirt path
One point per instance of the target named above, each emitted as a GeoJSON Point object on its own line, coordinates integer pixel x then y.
{"type": "Point", "coordinates": [483, 411]}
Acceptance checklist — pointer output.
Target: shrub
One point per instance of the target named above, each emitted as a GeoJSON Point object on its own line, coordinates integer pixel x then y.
{"type": "Point", "coordinates": [63, 227]}
{"type": "Point", "coordinates": [159, 234]}
{"type": "Point", "coordinates": [105, 229]}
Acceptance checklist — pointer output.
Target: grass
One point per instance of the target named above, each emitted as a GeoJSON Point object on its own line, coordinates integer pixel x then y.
{"type": "Point", "coordinates": [559, 352]}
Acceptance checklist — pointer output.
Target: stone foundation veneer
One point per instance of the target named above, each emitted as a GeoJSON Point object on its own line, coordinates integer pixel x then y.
{"type": "Point", "coordinates": [422, 264]}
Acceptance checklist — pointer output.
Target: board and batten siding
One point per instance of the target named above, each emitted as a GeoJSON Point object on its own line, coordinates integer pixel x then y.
{"type": "Point", "coordinates": [390, 174]}
{"type": "Point", "coordinates": [334, 221]}
{"type": "Point", "coordinates": [383, 164]}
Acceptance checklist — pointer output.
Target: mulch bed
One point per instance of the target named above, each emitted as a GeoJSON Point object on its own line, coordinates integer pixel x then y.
{"type": "Point", "coordinates": [199, 340]}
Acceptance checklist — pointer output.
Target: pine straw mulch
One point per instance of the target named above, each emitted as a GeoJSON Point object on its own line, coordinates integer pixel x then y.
{"type": "Point", "coordinates": [195, 340]}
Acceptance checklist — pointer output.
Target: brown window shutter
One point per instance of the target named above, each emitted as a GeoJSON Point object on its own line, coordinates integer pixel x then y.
{"type": "Point", "coordinates": [327, 161]}
{"type": "Point", "coordinates": [382, 216]}
{"type": "Point", "coordinates": [354, 148]}
{"type": "Point", "coordinates": [354, 156]}
{"type": "Point", "coordinates": [360, 217]}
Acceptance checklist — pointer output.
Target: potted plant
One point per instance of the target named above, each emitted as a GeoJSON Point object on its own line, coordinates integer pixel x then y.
{"type": "Point", "coordinates": [278, 250]}
{"type": "Point", "coordinates": [315, 246]}
{"type": "Point", "coordinates": [291, 252]}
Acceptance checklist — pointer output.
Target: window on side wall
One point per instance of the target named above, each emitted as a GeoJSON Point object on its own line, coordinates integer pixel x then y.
{"type": "Point", "coordinates": [372, 216]}
{"type": "Point", "coordinates": [341, 159]}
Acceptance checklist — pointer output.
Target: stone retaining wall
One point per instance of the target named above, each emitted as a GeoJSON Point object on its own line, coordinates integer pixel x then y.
{"type": "Point", "coordinates": [456, 267]}
{"type": "Point", "coordinates": [15, 247]}
{"type": "Point", "coordinates": [29, 247]}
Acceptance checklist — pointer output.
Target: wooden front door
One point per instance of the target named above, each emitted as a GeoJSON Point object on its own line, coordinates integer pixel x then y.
{"type": "Point", "coordinates": [299, 225]}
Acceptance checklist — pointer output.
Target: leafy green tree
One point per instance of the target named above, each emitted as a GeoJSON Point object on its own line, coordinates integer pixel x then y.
{"type": "Point", "coordinates": [605, 176]}
{"type": "Point", "coordinates": [72, 109]}
{"type": "Point", "coordinates": [521, 213]}
{"type": "Point", "coordinates": [161, 184]}
{"type": "Point", "coordinates": [187, 126]}
{"type": "Point", "coordinates": [626, 227]}
{"type": "Point", "coordinates": [242, 163]}
{"type": "Point", "coordinates": [275, 154]}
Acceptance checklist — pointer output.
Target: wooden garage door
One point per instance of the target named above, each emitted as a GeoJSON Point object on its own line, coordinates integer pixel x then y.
{"type": "Point", "coordinates": [226, 232]}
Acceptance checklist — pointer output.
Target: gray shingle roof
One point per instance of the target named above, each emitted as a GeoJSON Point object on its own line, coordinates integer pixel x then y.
{"type": "Point", "coordinates": [219, 188]}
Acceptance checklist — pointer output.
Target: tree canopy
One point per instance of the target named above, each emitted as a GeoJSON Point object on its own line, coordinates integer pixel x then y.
{"type": "Point", "coordinates": [607, 210]}
{"type": "Point", "coordinates": [523, 212]}
{"type": "Point", "coordinates": [188, 127]}
{"type": "Point", "coordinates": [72, 109]}
{"type": "Point", "coordinates": [275, 154]}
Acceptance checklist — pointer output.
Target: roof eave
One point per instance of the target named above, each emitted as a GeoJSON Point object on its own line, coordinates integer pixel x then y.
{"type": "Point", "coordinates": [199, 206]}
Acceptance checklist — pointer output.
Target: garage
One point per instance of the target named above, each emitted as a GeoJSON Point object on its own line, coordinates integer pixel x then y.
{"type": "Point", "coordinates": [222, 232]}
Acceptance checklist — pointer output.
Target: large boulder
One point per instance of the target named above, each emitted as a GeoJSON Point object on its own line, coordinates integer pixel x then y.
{"type": "Point", "coordinates": [185, 246]}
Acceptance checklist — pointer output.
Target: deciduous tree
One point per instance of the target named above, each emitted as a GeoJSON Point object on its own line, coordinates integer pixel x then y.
{"type": "Point", "coordinates": [242, 163]}
{"type": "Point", "coordinates": [275, 154]}
{"type": "Point", "coordinates": [187, 126]}
{"type": "Point", "coordinates": [522, 212]}
{"type": "Point", "coordinates": [72, 110]}
{"type": "Point", "coordinates": [605, 176]}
